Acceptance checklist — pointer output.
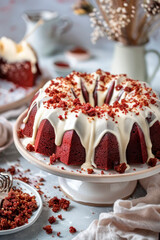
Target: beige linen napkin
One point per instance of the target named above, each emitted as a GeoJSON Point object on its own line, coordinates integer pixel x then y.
{"type": "Point", "coordinates": [137, 219]}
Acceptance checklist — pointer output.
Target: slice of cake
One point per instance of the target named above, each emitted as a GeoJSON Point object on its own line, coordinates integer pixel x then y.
{"type": "Point", "coordinates": [18, 63]}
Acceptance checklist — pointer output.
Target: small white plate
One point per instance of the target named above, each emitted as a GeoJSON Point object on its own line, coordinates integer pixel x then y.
{"type": "Point", "coordinates": [31, 191]}
{"type": "Point", "coordinates": [10, 134]}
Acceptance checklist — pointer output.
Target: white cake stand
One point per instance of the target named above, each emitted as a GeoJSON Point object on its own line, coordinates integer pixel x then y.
{"type": "Point", "coordinates": [91, 189]}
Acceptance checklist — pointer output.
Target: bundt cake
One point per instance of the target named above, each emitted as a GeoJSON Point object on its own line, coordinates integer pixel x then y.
{"type": "Point", "coordinates": [18, 63]}
{"type": "Point", "coordinates": [95, 120]}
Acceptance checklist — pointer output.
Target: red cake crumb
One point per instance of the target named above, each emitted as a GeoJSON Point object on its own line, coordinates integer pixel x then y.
{"type": "Point", "coordinates": [90, 171]}
{"type": "Point", "coordinates": [72, 230]}
{"type": "Point", "coordinates": [152, 162]}
{"type": "Point", "coordinates": [2, 170]}
{"type": "Point", "coordinates": [102, 172]}
{"type": "Point", "coordinates": [60, 117]}
{"type": "Point", "coordinates": [30, 147]}
{"type": "Point", "coordinates": [120, 168]}
{"type": "Point", "coordinates": [11, 170]}
{"type": "Point", "coordinates": [58, 234]}
{"type": "Point", "coordinates": [24, 179]}
{"type": "Point", "coordinates": [16, 209]}
{"type": "Point", "coordinates": [60, 216]}
{"type": "Point", "coordinates": [58, 204]}
{"type": "Point", "coordinates": [20, 133]}
{"type": "Point", "coordinates": [48, 229]}
{"type": "Point", "coordinates": [42, 179]}
{"type": "Point", "coordinates": [64, 204]}
{"type": "Point", "coordinates": [51, 220]}
{"type": "Point", "coordinates": [53, 158]}
{"type": "Point", "coordinates": [55, 204]}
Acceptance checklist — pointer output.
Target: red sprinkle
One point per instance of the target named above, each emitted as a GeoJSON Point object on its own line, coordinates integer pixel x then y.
{"type": "Point", "coordinates": [58, 234]}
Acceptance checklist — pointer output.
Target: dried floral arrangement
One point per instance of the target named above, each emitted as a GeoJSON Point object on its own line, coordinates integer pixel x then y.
{"type": "Point", "coordinates": [131, 22]}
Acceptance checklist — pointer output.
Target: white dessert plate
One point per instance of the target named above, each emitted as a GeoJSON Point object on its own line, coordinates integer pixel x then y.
{"type": "Point", "coordinates": [10, 134]}
{"type": "Point", "coordinates": [31, 191]}
{"type": "Point", "coordinates": [12, 96]}
{"type": "Point", "coordinates": [74, 172]}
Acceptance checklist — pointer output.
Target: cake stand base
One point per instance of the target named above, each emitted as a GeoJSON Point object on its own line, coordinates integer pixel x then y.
{"type": "Point", "coordinates": [96, 194]}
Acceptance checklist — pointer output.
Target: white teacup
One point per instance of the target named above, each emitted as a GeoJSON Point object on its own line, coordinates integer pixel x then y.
{"type": "Point", "coordinates": [46, 37]}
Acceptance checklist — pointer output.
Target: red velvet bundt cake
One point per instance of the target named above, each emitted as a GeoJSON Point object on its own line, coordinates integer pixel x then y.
{"type": "Point", "coordinates": [18, 63]}
{"type": "Point", "coordinates": [95, 120]}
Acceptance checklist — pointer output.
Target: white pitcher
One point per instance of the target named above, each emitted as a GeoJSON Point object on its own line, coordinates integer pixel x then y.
{"type": "Point", "coordinates": [45, 39]}
{"type": "Point", "coordinates": [131, 61]}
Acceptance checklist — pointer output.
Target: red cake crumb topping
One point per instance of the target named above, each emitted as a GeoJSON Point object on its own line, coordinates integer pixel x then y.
{"type": "Point", "coordinates": [16, 209]}
{"type": "Point", "coordinates": [90, 170]}
{"type": "Point", "coordinates": [120, 168]}
{"type": "Point", "coordinates": [72, 230]}
{"type": "Point", "coordinates": [60, 216]}
{"type": "Point", "coordinates": [11, 170]}
{"type": "Point", "coordinates": [2, 170]}
{"type": "Point", "coordinates": [48, 229]}
{"type": "Point", "coordinates": [20, 133]}
{"type": "Point", "coordinates": [58, 234]}
{"type": "Point", "coordinates": [152, 162]}
{"type": "Point", "coordinates": [30, 147]}
{"type": "Point", "coordinates": [52, 220]}
{"type": "Point", "coordinates": [58, 204]}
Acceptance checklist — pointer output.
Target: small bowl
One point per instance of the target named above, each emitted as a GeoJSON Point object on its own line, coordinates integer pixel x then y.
{"type": "Point", "coordinates": [10, 134]}
{"type": "Point", "coordinates": [78, 54]}
{"type": "Point", "coordinates": [62, 67]}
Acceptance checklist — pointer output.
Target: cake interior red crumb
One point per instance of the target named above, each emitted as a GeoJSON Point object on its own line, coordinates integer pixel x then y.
{"type": "Point", "coordinates": [16, 209]}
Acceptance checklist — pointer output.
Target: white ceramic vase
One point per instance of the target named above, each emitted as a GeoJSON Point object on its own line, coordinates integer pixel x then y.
{"type": "Point", "coordinates": [131, 60]}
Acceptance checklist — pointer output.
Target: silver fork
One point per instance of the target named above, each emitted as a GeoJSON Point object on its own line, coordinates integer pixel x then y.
{"type": "Point", "coordinates": [6, 182]}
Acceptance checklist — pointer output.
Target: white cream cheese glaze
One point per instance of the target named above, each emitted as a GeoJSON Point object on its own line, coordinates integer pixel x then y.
{"type": "Point", "coordinates": [17, 52]}
{"type": "Point", "coordinates": [91, 129]}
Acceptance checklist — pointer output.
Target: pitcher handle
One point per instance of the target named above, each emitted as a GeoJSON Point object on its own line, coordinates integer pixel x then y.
{"type": "Point", "coordinates": [66, 25]}
{"type": "Point", "coordinates": [149, 78]}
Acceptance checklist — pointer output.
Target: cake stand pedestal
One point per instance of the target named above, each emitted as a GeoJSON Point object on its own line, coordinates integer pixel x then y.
{"type": "Point", "coordinates": [92, 189]}
{"type": "Point", "coordinates": [96, 194]}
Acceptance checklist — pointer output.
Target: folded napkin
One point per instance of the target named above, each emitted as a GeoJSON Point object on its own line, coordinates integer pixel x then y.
{"type": "Point", "coordinates": [137, 219]}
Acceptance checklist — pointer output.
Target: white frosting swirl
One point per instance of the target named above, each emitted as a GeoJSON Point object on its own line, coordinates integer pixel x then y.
{"type": "Point", "coordinates": [3, 134]}
{"type": "Point", "coordinates": [13, 52]}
